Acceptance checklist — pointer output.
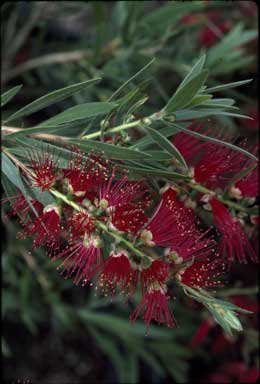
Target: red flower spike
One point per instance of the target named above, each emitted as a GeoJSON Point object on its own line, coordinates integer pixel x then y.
{"type": "Point", "coordinates": [128, 218]}
{"type": "Point", "coordinates": [22, 208]}
{"type": "Point", "coordinates": [158, 272]}
{"type": "Point", "coordinates": [171, 221]}
{"type": "Point", "coordinates": [122, 191]}
{"type": "Point", "coordinates": [234, 243]}
{"type": "Point", "coordinates": [44, 168]}
{"type": "Point", "coordinates": [85, 174]}
{"type": "Point", "coordinates": [155, 307]}
{"type": "Point", "coordinates": [83, 257]}
{"type": "Point", "coordinates": [194, 245]}
{"type": "Point", "coordinates": [46, 227]}
{"type": "Point", "coordinates": [190, 146]}
{"type": "Point", "coordinates": [248, 186]}
{"type": "Point", "coordinates": [203, 274]}
{"type": "Point", "coordinates": [218, 165]}
{"type": "Point", "coordinates": [79, 224]}
{"type": "Point", "coordinates": [117, 273]}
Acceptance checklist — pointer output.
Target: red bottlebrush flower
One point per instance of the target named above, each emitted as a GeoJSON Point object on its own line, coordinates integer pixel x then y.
{"type": "Point", "coordinates": [22, 208]}
{"type": "Point", "coordinates": [158, 272]}
{"type": "Point", "coordinates": [155, 307]}
{"type": "Point", "coordinates": [45, 169]}
{"type": "Point", "coordinates": [116, 272]}
{"type": "Point", "coordinates": [189, 146]}
{"type": "Point", "coordinates": [46, 227]}
{"type": "Point", "coordinates": [84, 173]}
{"type": "Point", "coordinates": [128, 218]}
{"type": "Point", "coordinates": [83, 257]}
{"type": "Point", "coordinates": [234, 243]}
{"type": "Point", "coordinates": [218, 165]}
{"type": "Point", "coordinates": [170, 223]}
{"type": "Point", "coordinates": [194, 245]}
{"type": "Point", "coordinates": [203, 274]}
{"type": "Point", "coordinates": [201, 333]}
{"type": "Point", "coordinates": [79, 224]}
{"type": "Point", "coordinates": [248, 186]}
{"type": "Point", "coordinates": [122, 191]}
{"type": "Point", "coordinates": [211, 34]}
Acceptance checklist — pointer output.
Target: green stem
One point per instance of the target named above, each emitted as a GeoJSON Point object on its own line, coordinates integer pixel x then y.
{"type": "Point", "coordinates": [98, 223]}
{"type": "Point", "coordinates": [112, 130]}
{"type": "Point", "coordinates": [231, 204]}
{"type": "Point", "coordinates": [119, 238]}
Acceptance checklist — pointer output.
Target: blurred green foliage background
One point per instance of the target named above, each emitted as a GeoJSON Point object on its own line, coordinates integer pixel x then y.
{"type": "Point", "coordinates": [55, 331]}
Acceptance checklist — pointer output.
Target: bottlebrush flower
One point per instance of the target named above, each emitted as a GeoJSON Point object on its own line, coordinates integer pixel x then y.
{"type": "Point", "coordinates": [155, 307]}
{"type": "Point", "coordinates": [203, 274]}
{"type": "Point", "coordinates": [84, 173]}
{"type": "Point", "coordinates": [83, 256]}
{"type": "Point", "coordinates": [158, 273]}
{"type": "Point", "coordinates": [128, 218]}
{"type": "Point", "coordinates": [218, 165]}
{"type": "Point", "coordinates": [193, 245]}
{"type": "Point", "coordinates": [45, 227]}
{"type": "Point", "coordinates": [189, 146]}
{"type": "Point", "coordinates": [248, 186]}
{"type": "Point", "coordinates": [122, 191]}
{"type": "Point", "coordinates": [170, 222]}
{"type": "Point", "coordinates": [79, 224]}
{"type": "Point", "coordinates": [44, 169]}
{"type": "Point", "coordinates": [117, 273]}
{"type": "Point", "coordinates": [234, 243]}
{"type": "Point", "coordinates": [22, 208]}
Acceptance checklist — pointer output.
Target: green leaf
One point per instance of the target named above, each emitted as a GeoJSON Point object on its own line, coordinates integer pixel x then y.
{"type": "Point", "coordinates": [146, 141]}
{"type": "Point", "coordinates": [8, 95]}
{"type": "Point", "coordinates": [155, 172]}
{"type": "Point", "coordinates": [198, 99]}
{"type": "Point", "coordinates": [12, 173]}
{"type": "Point", "coordinates": [216, 141]}
{"type": "Point", "coordinates": [108, 346]}
{"type": "Point", "coordinates": [164, 143]}
{"type": "Point", "coordinates": [168, 14]}
{"type": "Point", "coordinates": [185, 94]}
{"type": "Point", "coordinates": [123, 86]}
{"type": "Point", "coordinates": [114, 152]}
{"type": "Point", "coordinates": [79, 112]}
{"type": "Point", "coordinates": [220, 88]}
{"type": "Point", "coordinates": [189, 114]}
{"type": "Point", "coordinates": [51, 98]}
{"type": "Point", "coordinates": [113, 324]}
{"type": "Point", "coordinates": [195, 70]}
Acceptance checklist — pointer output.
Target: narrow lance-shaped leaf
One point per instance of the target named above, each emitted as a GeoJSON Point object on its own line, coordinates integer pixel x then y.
{"type": "Point", "coordinates": [214, 140]}
{"type": "Point", "coordinates": [164, 143]}
{"type": "Point", "coordinates": [223, 87]}
{"type": "Point", "coordinates": [123, 86]}
{"type": "Point", "coordinates": [51, 98]}
{"type": "Point", "coordinates": [185, 94]}
{"type": "Point", "coordinates": [114, 152]}
{"type": "Point", "coordinates": [195, 70]}
{"type": "Point", "coordinates": [8, 95]}
{"type": "Point", "coordinates": [79, 112]}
